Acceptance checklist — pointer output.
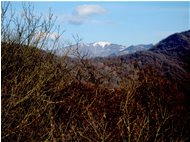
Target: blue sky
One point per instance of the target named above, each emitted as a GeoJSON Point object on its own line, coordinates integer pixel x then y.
{"type": "Point", "coordinates": [126, 23]}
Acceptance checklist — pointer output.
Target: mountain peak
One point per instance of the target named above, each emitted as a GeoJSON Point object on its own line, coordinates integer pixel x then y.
{"type": "Point", "coordinates": [101, 43]}
{"type": "Point", "coordinates": [177, 41]}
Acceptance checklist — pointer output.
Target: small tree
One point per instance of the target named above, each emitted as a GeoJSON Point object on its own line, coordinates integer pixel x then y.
{"type": "Point", "coordinates": [29, 28]}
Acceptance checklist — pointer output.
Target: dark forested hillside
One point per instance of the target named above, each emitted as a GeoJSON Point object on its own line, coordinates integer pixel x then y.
{"type": "Point", "coordinates": [143, 96]}
{"type": "Point", "coordinates": [170, 58]}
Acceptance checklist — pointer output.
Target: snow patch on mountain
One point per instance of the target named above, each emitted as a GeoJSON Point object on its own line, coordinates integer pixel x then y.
{"type": "Point", "coordinates": [101, 43]}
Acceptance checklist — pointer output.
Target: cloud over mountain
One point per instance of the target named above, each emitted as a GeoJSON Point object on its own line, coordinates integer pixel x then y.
{"type": "Point", "coordinates": [82, 13]}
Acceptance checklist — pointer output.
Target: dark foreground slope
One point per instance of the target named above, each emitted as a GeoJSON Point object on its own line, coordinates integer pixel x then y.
{"type": "Point", "coordinates": [169, 59]}
{"type": "Point", "coordinates": [138, 97]}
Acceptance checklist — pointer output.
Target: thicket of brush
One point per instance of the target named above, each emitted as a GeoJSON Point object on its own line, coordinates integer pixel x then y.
{"type": "Point", "coordinates": [46, 98]}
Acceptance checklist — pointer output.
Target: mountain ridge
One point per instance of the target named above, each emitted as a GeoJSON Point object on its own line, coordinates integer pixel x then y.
{"type": "Point", "coordinates": [170, 57]}
{"type": "Point", "coordinates": [102, 49]}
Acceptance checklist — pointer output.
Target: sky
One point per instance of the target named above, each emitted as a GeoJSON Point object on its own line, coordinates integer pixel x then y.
{"type": "Point", "coordinates": [125, 23]}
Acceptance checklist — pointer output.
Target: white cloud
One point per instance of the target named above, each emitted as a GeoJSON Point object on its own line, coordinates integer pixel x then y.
{"type": "Point", "coordinates": [87, 10]}
{"type": "Point", "coordinates": [53, 35]}
{"type": "Point", "coordinates": [82, 13]}
{"type": "Point", "coordinates": [50, 35]}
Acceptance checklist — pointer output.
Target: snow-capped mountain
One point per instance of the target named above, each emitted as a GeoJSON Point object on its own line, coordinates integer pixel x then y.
{"type": "Point", "coordinates": [135, 48]}
{"type": "Point", "coordinates": [99, 49]}
{"type": "Point", "coordinates": [101, 44]}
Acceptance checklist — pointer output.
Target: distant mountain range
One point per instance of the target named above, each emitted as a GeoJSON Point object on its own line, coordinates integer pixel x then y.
{"type": "Point", "coordinates": [134, 48]}
{"type": "Point", "coordinates": [100, 49]}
